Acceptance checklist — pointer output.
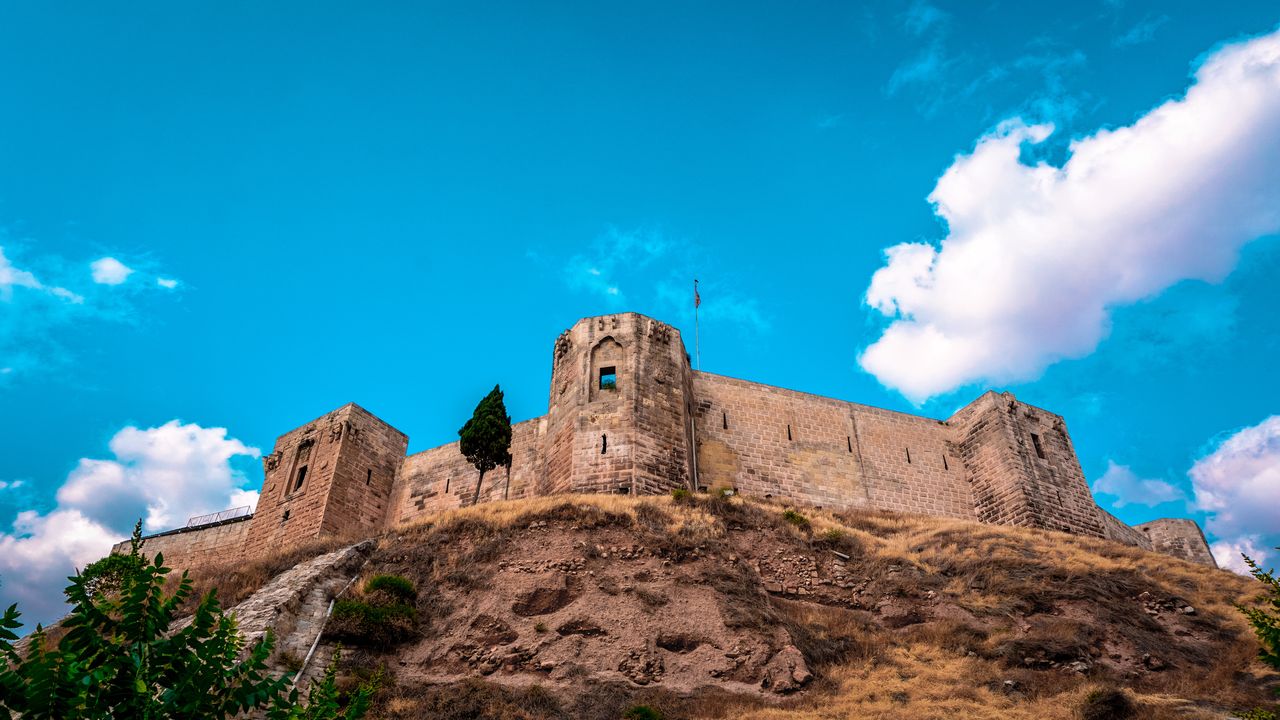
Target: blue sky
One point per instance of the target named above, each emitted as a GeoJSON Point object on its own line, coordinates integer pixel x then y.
{"type": "Point", "coordinates": [399, 204]}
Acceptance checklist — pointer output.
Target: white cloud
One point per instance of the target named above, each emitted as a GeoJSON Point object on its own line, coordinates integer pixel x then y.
{"type": "Point", "coordinates": [163, 474]}
{"type": "Point", "coordinates": [11, 277]}
{"type": "Point", "coordinates": [110, 271]}
{"type": "Point", "coordinates": [1121, 482]}
{"type": "Point", "coordinates": [1036, 255]}
{"type": "Point", "coordinates": [1238, 483]}
{"type": "Point", "coordinates": [39, 555]}
{"type": "Point", "coordinates": [38, 306]}
{"type": "Point", "coordinates": [1228, 553]}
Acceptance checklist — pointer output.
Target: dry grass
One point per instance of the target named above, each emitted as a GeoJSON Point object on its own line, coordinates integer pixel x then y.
{"type": "Point", "coordinates": [1021, 593]}
{"type": "Point", "coordinates": [238, 580]}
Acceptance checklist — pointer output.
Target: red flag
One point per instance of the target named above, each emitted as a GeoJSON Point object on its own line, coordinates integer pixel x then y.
{"type": "Point", "coordinates": [697, 299]}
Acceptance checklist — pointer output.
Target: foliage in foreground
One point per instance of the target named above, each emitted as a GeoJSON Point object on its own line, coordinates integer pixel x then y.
{"type": "Point", "coordinates": [1266, 625]}
{"type": "Point", "coordinates": [120, 659]}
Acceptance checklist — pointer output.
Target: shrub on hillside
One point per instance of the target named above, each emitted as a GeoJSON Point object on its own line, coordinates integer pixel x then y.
{"type": "Point", "coordinates": [641, 712]}
{"type": "Point", "coordinates": [392, 585]}
{"type": "Point", "coordinates": [371, 624]}
{"type": "Point", "coordinates": [795, 518]}
{"type": "Point", "coordinates": [1106, 704]}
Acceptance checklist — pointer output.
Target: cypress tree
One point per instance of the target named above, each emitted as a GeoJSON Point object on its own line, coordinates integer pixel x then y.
{"type": "Point", "coordinates": [485, 439]}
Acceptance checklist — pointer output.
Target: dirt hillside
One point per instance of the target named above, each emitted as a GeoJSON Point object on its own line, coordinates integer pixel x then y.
{"type": "Point", "coordinates": [587, 606]}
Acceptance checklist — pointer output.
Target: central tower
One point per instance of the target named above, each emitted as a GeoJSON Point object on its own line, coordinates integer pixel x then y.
{"type": "Point", "coordinates": [619, 415]}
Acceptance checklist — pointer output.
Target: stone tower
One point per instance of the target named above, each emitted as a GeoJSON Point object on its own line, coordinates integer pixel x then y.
{"type": "Point", "coordinates": [1023, 468]}
{"type": "Point", "coordinates": [619, 415]}
{"type": "Point", "coordinates": [332, 476]}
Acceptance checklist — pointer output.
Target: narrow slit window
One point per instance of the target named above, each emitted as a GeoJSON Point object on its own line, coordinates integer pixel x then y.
{"type": "Point", "coordinates": [849, 441]}
{"type": "Point", "coordinates": [446, 484]}
{"type": "Point", "coordinates": [908, 451]}
{"type": "Point", "coordinates": [286, 516]}
{"type": "Point", "coordinates": [724, 420]}
{"type": "Point", "coordinates": [302, 476]}
{"type": "Point", "coordinates": [368, 476]}
{"type": "Point", "coordinates": [604, 444]}
{"type": "Point", "coordinates": [944, 463]}
{"type": "Point", "coordinates": [608, 378]}
{"type": "Point", "coordinates": [1035, 440]}
{"type": "Point", "coordinates": [788, 432]}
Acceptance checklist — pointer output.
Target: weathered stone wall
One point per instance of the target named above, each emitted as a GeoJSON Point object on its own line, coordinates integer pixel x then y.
{"type": "Point", "coordinates": [1022, 467]}
{"type": "Point", "coordinates": [1115, 529]}
{"type": "Point", "coordinates": [441, 478]}
{"type": "Point", "coordinates": [190, 548]}
{"type": "Point", "coordinates": [626, 414]}
{"type": "Point", "coordinates": [1179, 537]}
{"type": "Point", "coordinates": [768, 441]}
{"type": "Point", "coordinates": [631, 434]}
{"type": "Point", "coordinates": [332, 476]}
{"type": "Point", "coordinates": [369, 460]}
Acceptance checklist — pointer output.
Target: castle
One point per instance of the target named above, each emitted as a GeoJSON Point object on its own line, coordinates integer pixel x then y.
{"type": "Point", "coordinates": [629, 415]}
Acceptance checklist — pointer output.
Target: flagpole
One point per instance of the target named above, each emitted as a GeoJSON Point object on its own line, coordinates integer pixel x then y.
{"type": "Point", "coordinates": [697, 338]}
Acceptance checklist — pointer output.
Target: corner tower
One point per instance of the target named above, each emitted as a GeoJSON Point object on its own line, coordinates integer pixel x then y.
{"type": "Point", "coordinates": [332, 476]}
{"type": "Point", "coordinates": [1023, 468]}
{"type": "Point", "coordinates": [619, 415]}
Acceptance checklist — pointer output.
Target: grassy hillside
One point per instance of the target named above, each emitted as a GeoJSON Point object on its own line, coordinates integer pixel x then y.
{"type": "Point", "coordinates": [585, 606]}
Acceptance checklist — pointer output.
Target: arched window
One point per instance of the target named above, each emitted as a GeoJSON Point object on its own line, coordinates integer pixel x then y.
{"type": "Point", "coordinates": [606, 365]}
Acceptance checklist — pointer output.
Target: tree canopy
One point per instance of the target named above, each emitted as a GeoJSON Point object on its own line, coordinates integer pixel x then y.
{"type": "Point", "coordinates": [121, 658]}
{"type": "Point", "coordinates": [1266, 625]}
{"type": "Point", "coordinates": [485, 439]}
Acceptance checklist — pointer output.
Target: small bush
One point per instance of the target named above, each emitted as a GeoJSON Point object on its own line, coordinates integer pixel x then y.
{"type": "Point", "coordinates": [833, 535]}
{"type": "Point", "coordinates": [362, 623]}
{"type": "Point", "coordinates": [682, 496]}
{"type": "Point", "coordinates": [641, 712]}
{"type": "Point", "coordinates": [393, 585]}
{"type": "Point", "coordinates": [540, 627]}
{"type": "Point", "coordinates": [795, 518]}
{"type": "Point", "coordinates": [1106, 704]}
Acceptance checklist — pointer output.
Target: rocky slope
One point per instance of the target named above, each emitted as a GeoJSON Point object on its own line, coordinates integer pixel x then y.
{"type": "Point", "coordinates": [584, 606]}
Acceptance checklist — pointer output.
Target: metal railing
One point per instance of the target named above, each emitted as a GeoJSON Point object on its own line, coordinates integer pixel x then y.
{"type": "Point", "coordinates": [220, 516]}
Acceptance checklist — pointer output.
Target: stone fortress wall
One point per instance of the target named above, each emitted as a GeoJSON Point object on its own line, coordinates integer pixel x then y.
{"type": "Point", "coordinates": [627, 414]}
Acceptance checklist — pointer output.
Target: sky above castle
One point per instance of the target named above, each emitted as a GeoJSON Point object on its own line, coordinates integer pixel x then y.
{"type": "Point", "coordinates": [220, 220]}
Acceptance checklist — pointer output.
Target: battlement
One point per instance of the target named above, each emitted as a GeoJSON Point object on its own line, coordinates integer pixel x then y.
{"type": "Point", "coordinates": [627, 414]}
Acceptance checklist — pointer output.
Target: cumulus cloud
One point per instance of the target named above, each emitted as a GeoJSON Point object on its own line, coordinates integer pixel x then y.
{"type": "Point", "coordinates": [1036, 255]}
{"type": "Point", "coordinates": [1229, 554]}
{"type": "Point", "coordinates": [110, 271]}
{"type": "Point", "coordinates": [1120, 482]}
{"type": "Point", "coordinates": [162, 474]}
{"type": "Point", "coordinates": [167, 283]}
{"type": "Point", "coordinates": [39, 555]}
{"type": "Point", "coordinates": [1238, 485]}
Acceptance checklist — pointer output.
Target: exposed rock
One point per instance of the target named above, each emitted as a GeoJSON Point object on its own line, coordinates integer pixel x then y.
{"type": "Point", "coordinates": [642, 667]}
{"type": "Point", "coordinates": [786, 671]}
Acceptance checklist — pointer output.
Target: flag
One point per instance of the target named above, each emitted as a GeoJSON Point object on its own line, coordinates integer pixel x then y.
{"type": "Point", "coordinates": [697, 299]}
